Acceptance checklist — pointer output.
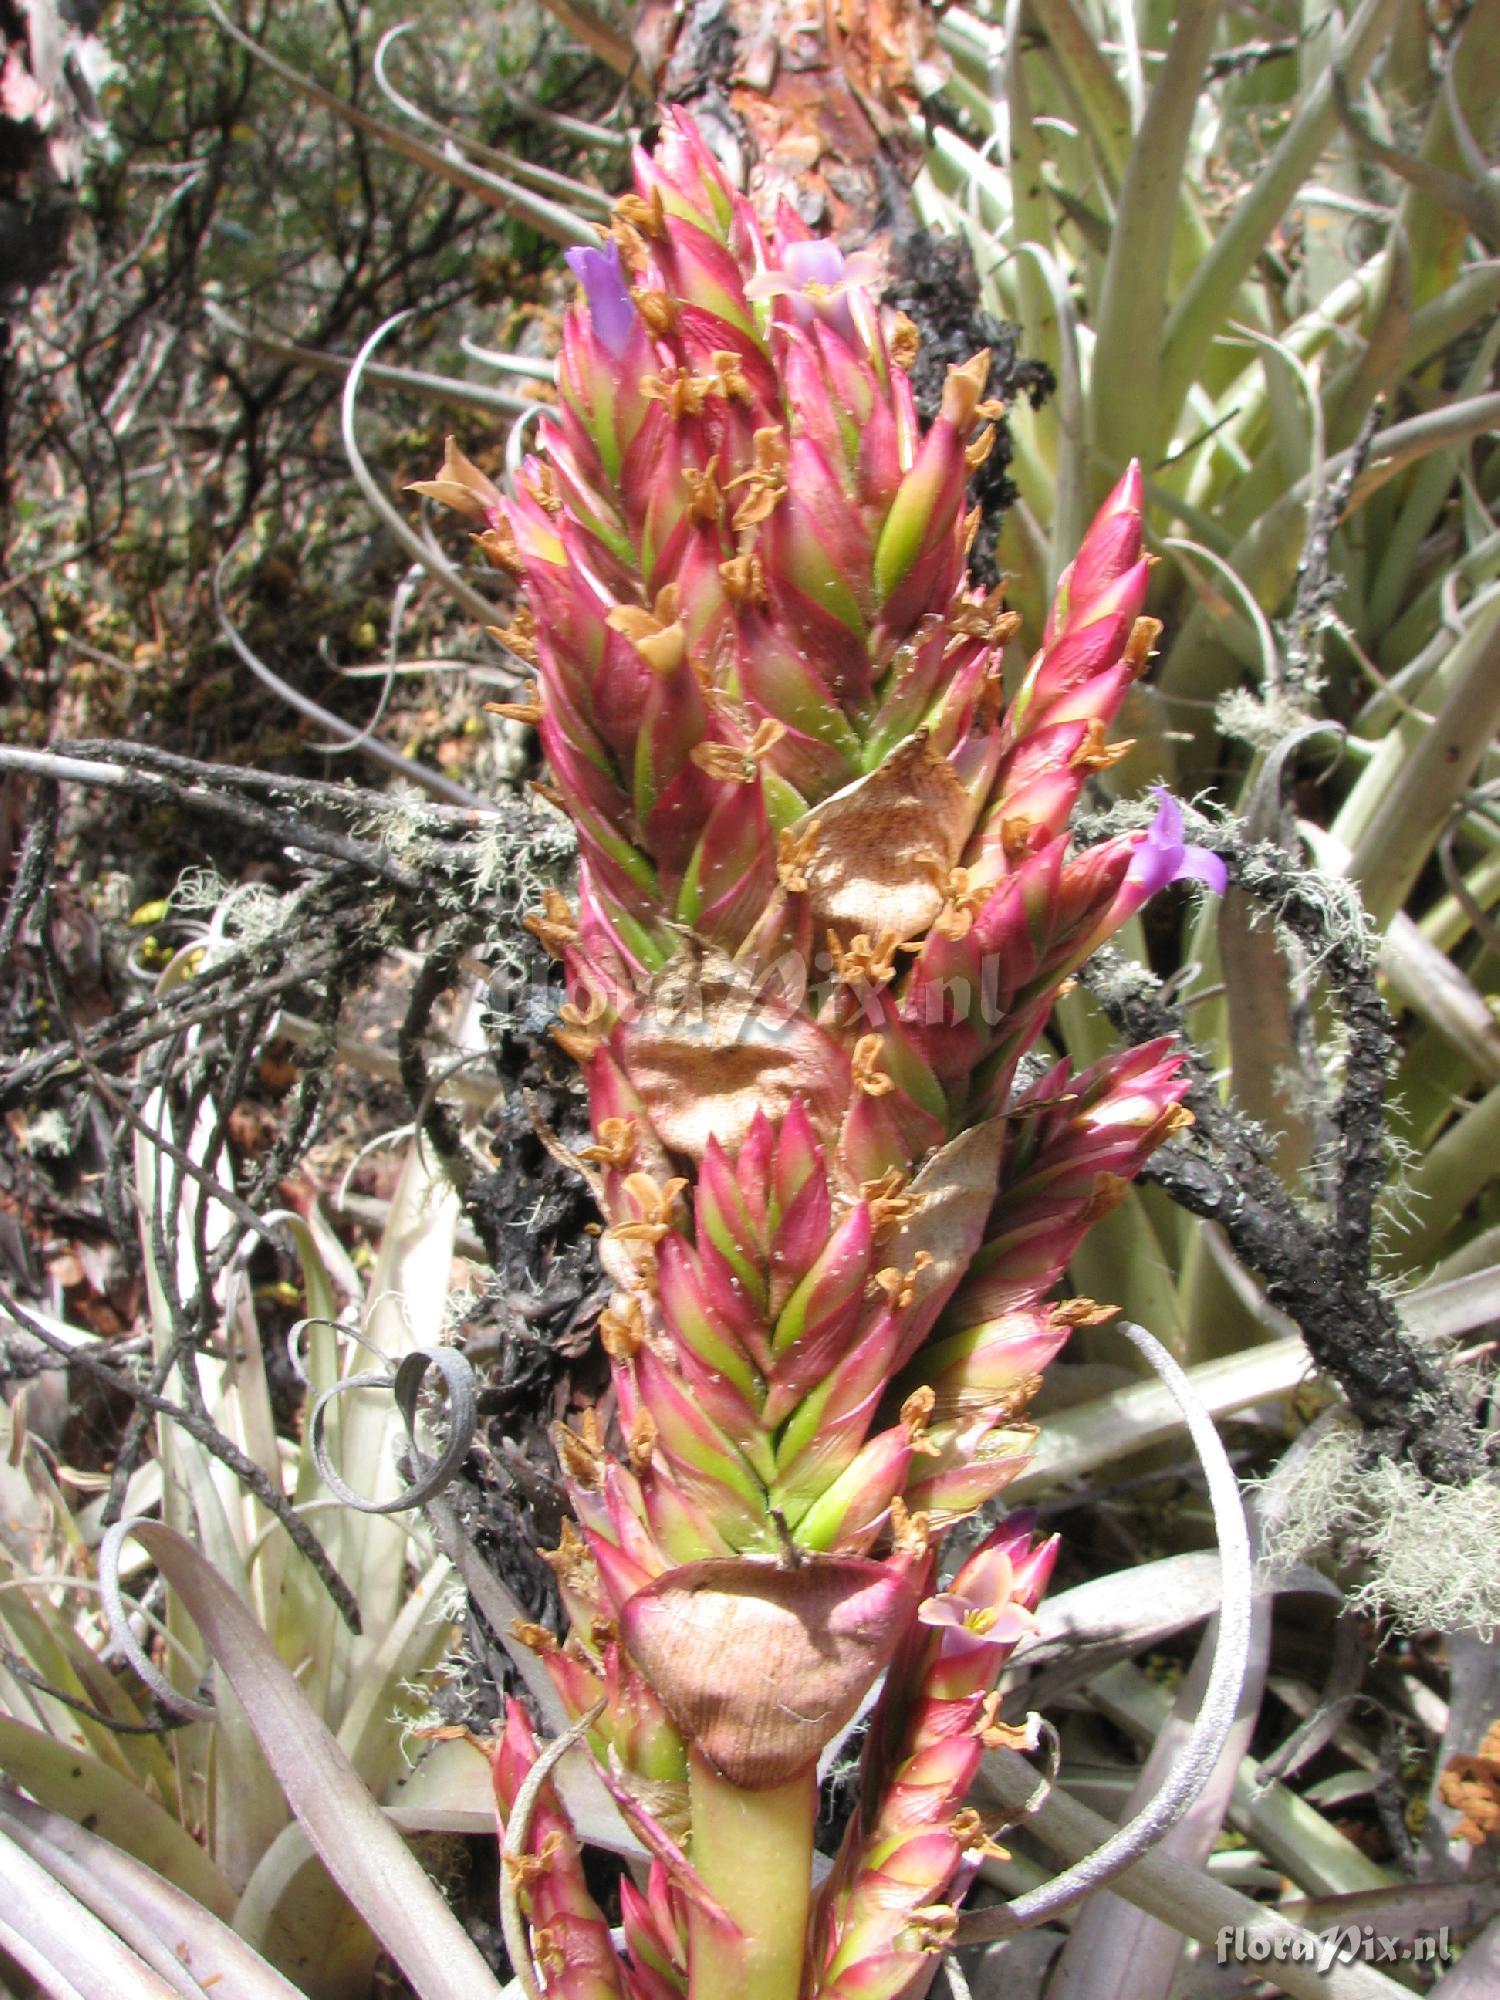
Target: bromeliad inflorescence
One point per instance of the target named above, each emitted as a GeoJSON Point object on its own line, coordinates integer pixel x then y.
{"type": "Point", "coordinates": [826, 903]}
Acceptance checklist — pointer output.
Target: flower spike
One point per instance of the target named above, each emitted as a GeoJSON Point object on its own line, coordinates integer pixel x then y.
{"type": "Point", "coordinates": [826, 902]}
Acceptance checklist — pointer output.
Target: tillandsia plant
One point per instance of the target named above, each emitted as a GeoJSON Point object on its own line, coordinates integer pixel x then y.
{"type": "Point", "coordinates": [826, 903]}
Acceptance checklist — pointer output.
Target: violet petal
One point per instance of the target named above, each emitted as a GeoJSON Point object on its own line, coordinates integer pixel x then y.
{"type": "Point", "coordinates": [943, 1609]}
{"type": "Point", "coordinates": [820, 262]}
{"type": "Point", "coordinates": [610, 306]}
{"type": "Point", "coordinates": [1164, 857]}
{"type": "Point", "coordinates": [1201, 864]}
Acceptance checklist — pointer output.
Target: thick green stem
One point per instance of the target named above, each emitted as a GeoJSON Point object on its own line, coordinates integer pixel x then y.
{"type": "Point", "coordinates": [754, 1853]}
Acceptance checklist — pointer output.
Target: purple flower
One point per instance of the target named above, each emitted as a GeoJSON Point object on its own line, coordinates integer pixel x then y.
{"type": "Point", "coordinates": [979, 1606]}
{"type": "Point", "coordinates": [610, 306]}
{"type": "Point", "coordinates": [979, 1621]}
{"type": "Point", "coordinates": [1164, 856]}
{"type": "Point", "coordinates": [820, 262]}
{"type": "Point", "coordinates": [815, 279]}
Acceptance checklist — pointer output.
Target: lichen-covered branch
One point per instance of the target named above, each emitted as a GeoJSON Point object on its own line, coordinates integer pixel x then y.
{"type": "Point", "coordinates": [1316, 1266]}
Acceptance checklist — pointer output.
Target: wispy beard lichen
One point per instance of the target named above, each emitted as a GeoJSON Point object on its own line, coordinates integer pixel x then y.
{"type": "Point", "coordinates": [1421, 1555]}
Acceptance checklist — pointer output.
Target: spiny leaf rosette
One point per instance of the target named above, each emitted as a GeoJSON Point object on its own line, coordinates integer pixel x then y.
{"type": "Point", "coordinates": [826, 904]}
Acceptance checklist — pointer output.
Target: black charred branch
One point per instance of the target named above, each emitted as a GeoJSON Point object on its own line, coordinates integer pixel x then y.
{"type": "Point", "coordinates": [436, 1120]}
{"type": "Point", "coordinates": [357, 900]}
{"type": "Point", "coordinates": [1316, 1267]}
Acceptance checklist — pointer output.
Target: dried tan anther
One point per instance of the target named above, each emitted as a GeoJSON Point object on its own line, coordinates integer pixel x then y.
{"type": "Point", "coordinates": [911, 1533]}
{"type": "Point", "coordinates": [1176, 1118]}
{"type": "Point", "coordinates": [553, 925]}
{"type": "Point", "coordinates": [953, 921]}
{"type": "Point", "coordinates": [759, 502]}
{"type": "Point", "coordinates": [528, 1868]}
{"type": "Point", "coordinates": [739, 766]}
{"type": "Point", "coordinates": [581, 1048]}
{"type": "Point", "coordinates": [971, 528]}
{"type": "Point", "coordinates": [795, 853]}
{"type": "Point", "coordinates": [961, 901]}
{"type": "Point", "coordinates": [964, 388]}
{"type": "Point", "coordinates": [989, 620]}
{"type": "Point", "coordinates": [1019, 836]}
{"type": "Point", "coordinates": [889, 1202]}
{"type": "Point", "coordinates": [642, 1442]}
{"type": "Point", "coordinates": [635, 252]}
{"type": "Point", "coordinates": [705, 499]}
{"type": "Point", "coordinates": [932, 1928]}
{"type": "Point", "coordinates": [916, 1413]}
{"type": "Point", "coordinates": [541, 483]}
{"type": "Point", "coordinates": [536, 1638]}
{"type": "Point", "coordinates": [571, 1561]}
{"type": "Point", "coordinates": [593, 1010]}
{"type": "Point", "coordinates": [529, 710]}
{"type": "Point", "coordinates": [639, 1231]}
{"type": "Point", "coordinates": [549, 1951]}
{"type": "Point", "coordinates": [772, 453]}
{"type": "Point", "coordinates": [729, 372]}
{"type": "Point", "coordinates": [658, 310]}
{"type": "Point", "coordinates": [520, 635]}
{"type": "Point", "coordinates": [1003, 627]}
{"type": "Point", "coordinates": [648, 214]}
{"type": "Point", "coordinates": [1144, 634]}
{"type": "Point", "coordinates": [979, 447]}
{"type": "Point", "coordinates": [870, 1080]}
{"type": "Point", "coordinates": [633, 617]}
{"type": "Point", "coordinates": [1020, 1399]}
{"type": "Point", "coordinates": [654, 1202]}
{"type": "Point", "coordinates": [499, 546]}
{"type": "Point", "coordinates": [991, 698]}
{"type": "Point", "coordinates": [614, 1144]}
{"type": "Point", "coordinates": [995, 1734]}
{"type": "Point", "coordinates": [622, 1334]}
{"type": "Point", "coordinates": [904, 342]}
{"type": "Point", "coordinates": [1095, 753]}
{"type": "Point", "coordinates": [975, 1835]}
{"type": "Point", "coordinates": [1108, 1191]}
{"type": "Point", "coordinates": [723, 763]}
{"type": "Point", "coordinates": [582, 1455]}
{"type": "Point", "coordinates": [766, 480]}
{"type": "Point", "coordinates": [1470, 1786]}
{"type": "Point", "coordinates": [744, 579]}
{"type": "Point", "coordinates": [900, 1287]}
{"type": "Point", "coordinates": [1082, 1312]}
{"type": "Point", "coordinates": [683, 393]}
{"type": "Point", "coordinates": [658, 635]}
{"type": "Point", "coordinates": [863, 963]}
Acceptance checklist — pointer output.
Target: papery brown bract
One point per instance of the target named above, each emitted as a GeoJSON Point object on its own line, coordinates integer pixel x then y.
{"type": "Point", "coordinates": [727, 1642]}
